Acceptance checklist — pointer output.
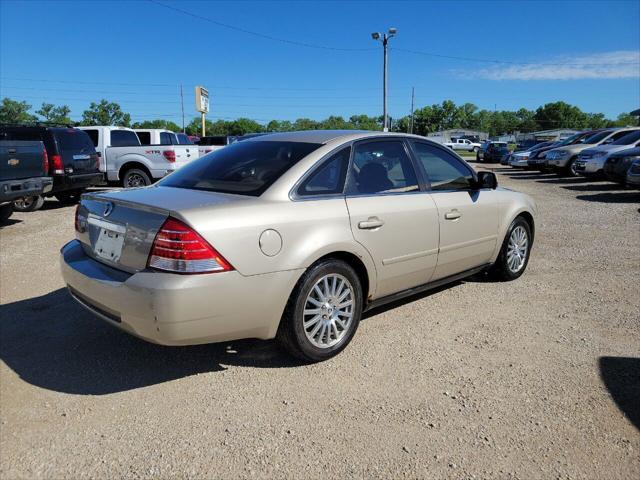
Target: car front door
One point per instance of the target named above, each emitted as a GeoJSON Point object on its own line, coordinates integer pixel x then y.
{"type": "Point", "coordinates": [468, 216]}
{"type": "Point", "coordinates": [391, 215]}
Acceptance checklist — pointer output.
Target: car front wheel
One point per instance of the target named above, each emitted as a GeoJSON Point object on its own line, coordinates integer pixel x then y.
{"type": "Point", "coordinates": [28, 204]}
{"type": "Point", "coordinates": [514, 254]}
{"type": "Point", "coordinates": [323, 312]}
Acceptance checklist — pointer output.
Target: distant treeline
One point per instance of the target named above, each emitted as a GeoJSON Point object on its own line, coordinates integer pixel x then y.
{"type": "Point", "coordinates": [427, 119]}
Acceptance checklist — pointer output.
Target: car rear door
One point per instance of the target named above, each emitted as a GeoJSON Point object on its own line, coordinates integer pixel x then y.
{"type": "Point", "coordinates": [391, 215]}
{"type": "Point", "coordinates": [77, 151]}
{"type": "Point", "coordinates": [468, 217]}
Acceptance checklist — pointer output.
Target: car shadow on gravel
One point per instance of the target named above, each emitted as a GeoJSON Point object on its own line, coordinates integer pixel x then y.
{"type": "Point", "coordinates": [621, 376]}
{"type": "Point", "coordinates": [595, 187]}
{"type": "Point", "coordinates": [53, 343]}
{"type": "Point", "coordinates": [612, 197]}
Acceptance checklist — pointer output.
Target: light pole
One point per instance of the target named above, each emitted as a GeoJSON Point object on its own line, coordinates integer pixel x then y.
{"type": "Point", "coordinates": [384, 38]}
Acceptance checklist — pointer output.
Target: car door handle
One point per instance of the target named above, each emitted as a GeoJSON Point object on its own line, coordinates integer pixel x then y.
{"type": "Point", "coordinates": [452, 215]}
{"type": "Point", "coordinates": [370, 224]}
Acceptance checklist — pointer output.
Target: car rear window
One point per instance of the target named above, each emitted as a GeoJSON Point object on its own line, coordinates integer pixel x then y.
{"type": "Point", "coordinates": [183, 139]}
{"type": "Point", "coordinates": [73, 139]}
{"type": "Point", "coordinates": [124, 138]}
{"type": "Point", "coordinates": [245, 168]}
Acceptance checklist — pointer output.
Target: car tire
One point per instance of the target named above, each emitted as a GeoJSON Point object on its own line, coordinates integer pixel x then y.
{"type": "Point", "coordinates": [135, 178]}
{"type": "Point", "coordinates": [514, 254]}
{"type": "Point", "coordinates": [28, 204]}
{"type": "Point", "coordinates": [314, 326]}
{"type": "Point", "coordinates": [570, 169]}
{"type": "Point", "coordinates": [6, 211]}
{"type": "Point", "coordinates": [475, 149]}
{"type": "Point", "coordinates": [69, 197]}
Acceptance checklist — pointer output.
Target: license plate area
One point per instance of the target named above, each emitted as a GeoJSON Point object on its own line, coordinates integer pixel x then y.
{"type": "Point", "coordinates": [110, 239]}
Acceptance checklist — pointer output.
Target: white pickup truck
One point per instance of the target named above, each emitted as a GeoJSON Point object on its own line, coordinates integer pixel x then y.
{"type": "Point", "coordinates": [123, 159]}
{"type": "Point", "coordinates": [463, 144]}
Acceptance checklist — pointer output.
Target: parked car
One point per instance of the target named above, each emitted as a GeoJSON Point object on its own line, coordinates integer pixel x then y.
{"type": "Point", "coordinates": [633, 174]}
{"type": "Point", "coordinates": [494, 152]}
{"type": "Point", "coordinates": [563, 159]}
{"type": "Point", "coordinates": [591, 161]}
{"type": "Point", "coordinates": [521, 159]}
{"type": "Point", "coordinates": [619, 163]}
{"type": "Point", "coordinates": [24, 172]}
{"type": "Point", "coordinates": [73, 162]}
{"type": "Point", "coordinates": [123, 159]}
{"type": "Point", "coordinates": [525, 145]}
{"type": "Point", "coordinates": [538, 160]}
{"type": "Point", "coordinates": [313, 227]}
{"type": "Point", "coordinates": [156, 136]}
{"type": "Point", "coordinates": [463, 144]}
{"type": "Point", "coordinates": [214, 142]}
{"type": "Point", "coordinates": [480, 154]}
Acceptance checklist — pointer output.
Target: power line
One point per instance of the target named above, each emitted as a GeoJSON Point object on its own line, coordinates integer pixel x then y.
{"type": "Point", "coordinates": [261, 35]}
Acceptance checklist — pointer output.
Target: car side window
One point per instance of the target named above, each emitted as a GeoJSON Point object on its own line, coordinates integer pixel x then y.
{"type": "Point", "coordinates": [445, 172]}
{"type": "Point", "coordinates": [329, 177]}
{"type": "Point", "coordinates": [93, 135]}
{"type": "Point", "coordinates": [145, 137]}
{"type": "Point", "coordinates": [165, 138]}
{"type": "Point", "coordinates": [381, 167]}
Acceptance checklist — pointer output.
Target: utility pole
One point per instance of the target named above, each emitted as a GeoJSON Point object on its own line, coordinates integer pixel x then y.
{"type": "Point", "coordinates": [182, 104]}
{"type": "Point", "coordinates": [413, 92]}
{"type": "Point", "coordinates": [384, 38]}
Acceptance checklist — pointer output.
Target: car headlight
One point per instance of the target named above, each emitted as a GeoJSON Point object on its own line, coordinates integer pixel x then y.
{"type": "Point", "coordinates": [599, 154]}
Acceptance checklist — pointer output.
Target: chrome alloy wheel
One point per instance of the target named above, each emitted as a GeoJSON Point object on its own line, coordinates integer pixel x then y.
{"type": "Point", "coordinates": [328, 311]}
{"type": "Point", "coordinates": [135, 180]}
{"type": "Point", "coordinates": [517, 249]}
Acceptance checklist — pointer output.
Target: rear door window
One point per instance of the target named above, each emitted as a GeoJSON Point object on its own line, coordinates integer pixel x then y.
{"type": "Point", "coordinates": [124, 138]}
{"type": "Point", "coordinates": [94, 136]}
{"type": "Point", "coordinates": [381, 167]}
{"type": "Point", "coordinates": [145, 137]}
{"type": "Point", "coordinates": [74, 140]}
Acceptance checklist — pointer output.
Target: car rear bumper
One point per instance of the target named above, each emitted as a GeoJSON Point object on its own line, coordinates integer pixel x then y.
{"type": "Point", "coordinates": [172, 309]}
{"type": "Point", "coordinates": [62, 183]}
{"type": "Point", "coordinates": [24, 187]}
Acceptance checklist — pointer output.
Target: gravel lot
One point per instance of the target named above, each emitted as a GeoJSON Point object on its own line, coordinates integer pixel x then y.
{"type": "Point", "coordinates": [529, 379]}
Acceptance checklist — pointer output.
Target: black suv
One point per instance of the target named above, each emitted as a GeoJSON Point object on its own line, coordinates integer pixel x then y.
{"type": "Point", "coordinates": [73, 161]}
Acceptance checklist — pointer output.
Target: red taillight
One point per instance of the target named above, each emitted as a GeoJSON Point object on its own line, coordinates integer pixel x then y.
{"type": "Point", "coordinates": [45, 161]}
{"type": "Point", "coordinates": [170, 155]}
{"type": "Point", "coordinates": [178, 248]}
{"type": "Point", "coordinates": [57, 166]}
{"type": "Point", "coordinates": [77, 219]}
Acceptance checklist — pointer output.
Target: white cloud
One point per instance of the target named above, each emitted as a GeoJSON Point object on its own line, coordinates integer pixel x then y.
{"type": "Point", "coordinates": [621, 64]}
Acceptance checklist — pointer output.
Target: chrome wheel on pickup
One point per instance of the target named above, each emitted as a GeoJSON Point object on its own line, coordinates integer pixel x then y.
{"type": "Point", "coordinates": [135, 178]}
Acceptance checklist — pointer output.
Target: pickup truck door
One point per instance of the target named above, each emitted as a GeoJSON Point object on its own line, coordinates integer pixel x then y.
{"type": "Point", "coordinates": [468, 217]}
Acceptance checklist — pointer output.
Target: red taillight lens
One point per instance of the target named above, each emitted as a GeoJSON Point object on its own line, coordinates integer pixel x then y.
{"type": "Point", "coordinates": [57, 166]}
{"type": "Point", "coordinates": [178, 248]}
{"type": "Point", "coordinates": [77, 219]}
{"type": "Point", "coordinates": [45, 161]}
{"type": "Point", "coordinates": [170, 155]}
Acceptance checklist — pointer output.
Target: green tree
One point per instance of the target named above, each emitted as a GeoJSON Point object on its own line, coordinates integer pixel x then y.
{"type": "Point", "coordinates": [560, 115]}
{"type": "Point", "coordinates": [105, 113]}
{"type": "Point", "coordinates": [50, 113]}
{"type": "Point", "coordinates": [625, 120]}
{"type": "Point", "coordinates": [305, 124]}
{"type": "Point", "coordinates": [12, 111]}
{"type": "Point", "coordinates": [279, 126]}
{"type": "Point", "coordinates": [365, 122]}
{"type": "Point", "coordinates": [164, 124]}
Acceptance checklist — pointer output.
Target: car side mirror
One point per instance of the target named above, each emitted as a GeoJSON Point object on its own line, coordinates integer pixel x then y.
{"type": "Point", "coordinates": [487, 180]}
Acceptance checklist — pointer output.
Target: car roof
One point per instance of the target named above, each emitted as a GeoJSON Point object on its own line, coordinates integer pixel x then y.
{"type": "Point", "coordinates": [325, 136]}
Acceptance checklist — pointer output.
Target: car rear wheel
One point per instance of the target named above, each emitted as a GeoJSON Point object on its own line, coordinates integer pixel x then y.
{"type": "Point", "coordinates": [28, 204]}
{"type": "Point", "coordinates": [69, 197]}
{"type": "Point", "coordinates": [323, 312]}
{"type": "Point", "coordinates": [135, 177]}
{"type": "Point", "coordinates": [514, 254]}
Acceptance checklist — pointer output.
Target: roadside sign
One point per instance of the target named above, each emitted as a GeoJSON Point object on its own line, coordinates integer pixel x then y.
{"type": "Point", "coordinates": [202, 100]}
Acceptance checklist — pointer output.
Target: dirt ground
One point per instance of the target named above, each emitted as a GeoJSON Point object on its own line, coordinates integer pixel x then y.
{"type": "Point", "coordinates": [537, 378]}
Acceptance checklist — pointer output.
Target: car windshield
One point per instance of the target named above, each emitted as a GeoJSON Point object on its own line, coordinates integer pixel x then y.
{"type": "Point", "coordinates": [596, 138]}
{"type": "Point", "coordinates": [628, 139]}
{"type": "Point", "coordinates": [244, 168]}
{"type": "Point", "coordinates": [570, 140]}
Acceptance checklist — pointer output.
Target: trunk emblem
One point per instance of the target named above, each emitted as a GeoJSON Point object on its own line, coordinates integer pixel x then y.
{"type": "Point", "coordinates": [108, 208]}
{"type": "Point", "coordinates": [13, 162]}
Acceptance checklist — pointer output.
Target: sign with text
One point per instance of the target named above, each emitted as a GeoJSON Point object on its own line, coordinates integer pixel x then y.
{"type": "Point", "coordinates": [202, 100]}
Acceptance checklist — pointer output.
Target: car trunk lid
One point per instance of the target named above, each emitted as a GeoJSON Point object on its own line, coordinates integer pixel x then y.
{"type": "Point", "coordinates": [118, 228]}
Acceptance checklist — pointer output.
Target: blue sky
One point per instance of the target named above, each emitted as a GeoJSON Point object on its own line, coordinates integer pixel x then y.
{"type": "Point", "coordinates": [138, 53]}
